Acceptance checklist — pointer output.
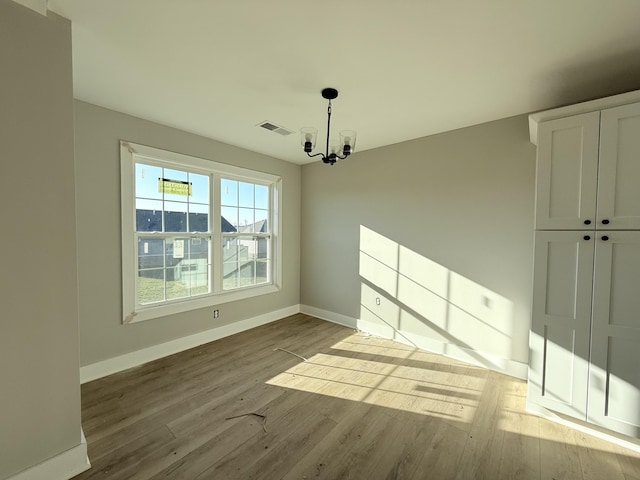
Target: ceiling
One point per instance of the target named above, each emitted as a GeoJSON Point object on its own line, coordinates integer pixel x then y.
{"type": "Point", "coordinates": [404, 69]}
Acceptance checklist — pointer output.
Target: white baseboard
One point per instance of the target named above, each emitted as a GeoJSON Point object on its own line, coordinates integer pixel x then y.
{"type": "Point", "coordinates": [64, 466]}
{"type": "Point", "coordinates": [474, 357]}
{"type": "Point", "coordinates": [492, 362]}
{"type": "Point", "coordinates": [129, 360]}
{"type": "Point", "coordinates": [133, 359]}
{"type": "Point", "coordinates": [594, 431]}
{"type": "Point", "coordinates": [329, 316]}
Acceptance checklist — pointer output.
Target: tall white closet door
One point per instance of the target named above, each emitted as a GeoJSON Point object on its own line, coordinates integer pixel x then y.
{"type": "Point", "coordinates": [567, 168]}
{"type": "Point", "coordinates": [619, 169]}
{"type": "Point", "coordinates": [559, 363]}
{"type": "Point", "coordinates": [614, 390]}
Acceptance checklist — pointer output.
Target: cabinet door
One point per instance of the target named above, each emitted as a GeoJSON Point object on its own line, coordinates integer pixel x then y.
{"type": "Point", "coordinates": [619, 170]}
{"type": "Point", "coordinates": [567, 168]}
{"type": "Point", "coordinates": [614, 388]}
{"type": "Point", "coordinates": [562, 285]}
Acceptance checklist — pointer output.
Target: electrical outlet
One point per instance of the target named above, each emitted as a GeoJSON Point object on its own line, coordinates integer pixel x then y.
{"type": "Point", "coordinates": [377, 300]}
{"type": "Point", "coordinates": [486, 301]}
{"type": "Point", "coordinates": [216, 313]}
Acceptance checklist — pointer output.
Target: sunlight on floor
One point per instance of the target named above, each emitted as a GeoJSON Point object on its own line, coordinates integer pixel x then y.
{"type": "Point", "coordinates": [383, 373]}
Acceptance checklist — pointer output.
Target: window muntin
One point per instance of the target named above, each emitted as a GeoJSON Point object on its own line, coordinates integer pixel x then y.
{"type": "Point", "coordinates": [173, 260]}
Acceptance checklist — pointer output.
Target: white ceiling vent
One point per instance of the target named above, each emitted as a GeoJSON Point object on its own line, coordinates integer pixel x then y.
{"type": "Point", "coordinates": [275, 128]}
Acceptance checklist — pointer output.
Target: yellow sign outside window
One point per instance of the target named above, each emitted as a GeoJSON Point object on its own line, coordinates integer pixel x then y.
{"type": "Point", "coordinates": [175, 187]}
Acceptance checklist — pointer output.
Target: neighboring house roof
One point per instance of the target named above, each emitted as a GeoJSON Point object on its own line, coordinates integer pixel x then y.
{"type": "Point", "coordinates": [226, 226]}
{"type": "Point", "coordinates": [258, 227]}
{"type": "Point", "coordinates": [151, 221]}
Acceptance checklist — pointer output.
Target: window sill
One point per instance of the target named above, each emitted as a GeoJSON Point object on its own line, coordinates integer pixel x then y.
{"type": "Point", "coordinates": [214, 299]}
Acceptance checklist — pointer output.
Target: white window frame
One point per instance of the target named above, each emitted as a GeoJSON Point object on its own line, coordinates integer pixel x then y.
{"type": "Point", "coordinates": [130, 153]}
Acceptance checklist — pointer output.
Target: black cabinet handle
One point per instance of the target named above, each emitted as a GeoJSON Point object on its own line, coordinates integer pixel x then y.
{"type": "Point", "coordinates": [605, 222]}
{"type": "Point", "coordinates": [605, 238]}
{"type": "Point", "coordinates": [587, 222]}
{"type": "Point", "coordinates": [587, 237]}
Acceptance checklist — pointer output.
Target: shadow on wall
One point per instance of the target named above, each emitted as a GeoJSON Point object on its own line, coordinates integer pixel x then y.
{"type": "Point", "coordinates": [412, 299]}
{"type": "Point", "coordinates": [597, 78]}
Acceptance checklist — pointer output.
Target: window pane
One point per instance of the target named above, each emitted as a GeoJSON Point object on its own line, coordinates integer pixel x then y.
{"type": "Point", "coordinates": [245, 195]}
{"type": "Point", "coordinates": [150, 281]}
{"type": "Point", "coordinates": [172, 268]}
{"type": "Point", "coordinates": [262, 221]}
{"type": "Point", "coordinates": [147, 181]}
{"type": "Point", "coordinates": [245, 218]}
{"type": "Point", "coordinates": [148, 215]}
{"type": "Point", "coordinates": [199, 188]}
{"type": "Point", "coordinates": [262, 271]}
{"type": "Point", "coordinates": [150, 286]}
{"type": "Point", "coordinates": [199, 252]}
{"type": "Point", "coordinates": [175, 288]}
{"type": "Point", "coordinates": [230, 263]}
{"type": "Point", "coordinates": [150, 253]}
{"type": "Point", "coordinates": [199, 278]}
{"type": "Point", "coordinates": [245, 262]}
{"type": "Point", "coordinates": [179, 198]}
{"type": "Point", "coordinates": [262, 196]}
{"type": "Point", "coordinates": [229, 219]}
{"type": "Point", "coordinates": [175, 250]}
{"type": "Point", "coordinates": [198, 222]}
{"type": "Point", "coordinates": [248, 218]}
{"type": "Point", "coordinates": [228, 192]}
{"type": "Point", "coordinates": [178, 177]}
{"type": "Point", "coordinates": [191, 271]}
{"type": "Point", "coordinates": [198, 217]}
{"type": "Point", "coordinates": [175, 217]}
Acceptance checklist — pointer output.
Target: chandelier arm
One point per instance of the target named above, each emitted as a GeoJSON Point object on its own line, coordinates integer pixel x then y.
{"type": "Point", "coordinates": [315, 154]}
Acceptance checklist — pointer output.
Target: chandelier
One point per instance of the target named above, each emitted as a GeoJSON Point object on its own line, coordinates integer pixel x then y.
{"type": "Point", "coordinates": [333, 152]}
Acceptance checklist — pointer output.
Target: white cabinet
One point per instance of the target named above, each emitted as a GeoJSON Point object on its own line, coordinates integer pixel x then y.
{"type": "Point", "coordinates": [614, 383]}
{"type": "Point", "coordinates": [619, 169]}
{"type": "Point", "coordinates": [566, 175]}
{"type": "Point", "coordinates": [588, 171]}
{"type": "Point", "coordinates": [562, 286]}
{"type": "Point", "coordinates": [585, 334]}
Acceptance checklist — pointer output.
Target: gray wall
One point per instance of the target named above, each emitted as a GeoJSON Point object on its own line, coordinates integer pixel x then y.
{"type": "Point", "coordinates": [98, 132]}
{"type": "Point", "coordinates": [439, 228]}
{"type": "Point", "coordinates": [39, 379]}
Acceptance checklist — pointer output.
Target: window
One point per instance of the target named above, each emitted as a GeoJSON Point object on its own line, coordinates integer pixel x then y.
{"type": "Point", "coordinates": [244, 209]}
{"type": "Point", "coordinates": [195, 233]}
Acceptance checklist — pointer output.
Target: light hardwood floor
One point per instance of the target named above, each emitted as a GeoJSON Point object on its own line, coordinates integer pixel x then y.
{"type": "Point", "coordinates": [359, 408]}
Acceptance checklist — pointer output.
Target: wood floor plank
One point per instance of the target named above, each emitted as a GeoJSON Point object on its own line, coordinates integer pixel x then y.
{"type": "Point", "coordinates": [122, 462]}
{"type": "Point", "coordinates": [443, 453]}
{"type": "Point", "coordinates": [597, 458]}
{"type": "Point", "coordinates": [630, 463]}
{"type": "Point", "coordinates": [483, 449]}
{"type": "Point", "coordinates": [521, 445]}
{"type": "Point", "coordinates": [148, 399]}
{"type": "Point", "coordinates": [359, 407]}
{"type": "Point", "coordinates": [354, 439]}
{"type": "Point", "coordinates": [558, 452]}
{"type": "Point", "coordinates": [414, 440]}
{"type": "Point", "coordinates": [284, 419]}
